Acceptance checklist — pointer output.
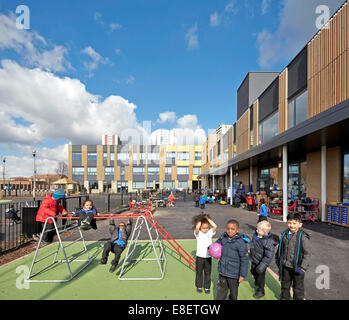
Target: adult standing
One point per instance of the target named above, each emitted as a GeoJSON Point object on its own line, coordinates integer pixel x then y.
{"type": "Point", "coordinates": [50, 207]}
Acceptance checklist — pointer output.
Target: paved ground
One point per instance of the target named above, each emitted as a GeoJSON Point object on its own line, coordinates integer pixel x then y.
{"type": "Point", "coordinates": [329, 243]}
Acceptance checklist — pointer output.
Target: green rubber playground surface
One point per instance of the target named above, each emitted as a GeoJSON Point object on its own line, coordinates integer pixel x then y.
{"type": "Point", "coordinates": [95, 282]}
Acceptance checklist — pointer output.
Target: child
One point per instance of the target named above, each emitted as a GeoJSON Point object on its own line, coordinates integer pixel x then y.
{"type": "Point", "coordinates": [203, 235]}
{"type": "Point", "coordinates": [261, 254]}
{"type": "Point", "coordinates": [11, 214]}
{"type": "Point", "coordinates": [86, 215]}
{"type": "Point", "coordinates": [292, 258]}
{"type": "Point", "coordinates": [263, 211]}
{"type": "Point", "coordinates": [237, 200]}
{"type": "Point", "coordinates": [233, 264]}
{"type": "Point", "coordinates": [202, 202]}
{"type": "Point", "coordinates": [117, 242]}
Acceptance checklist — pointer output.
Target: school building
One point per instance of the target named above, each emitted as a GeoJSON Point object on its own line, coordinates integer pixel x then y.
{"type": "Point", "coordinates": [292, 130]}
{"type": "Point", "coordinates": [113, 168]}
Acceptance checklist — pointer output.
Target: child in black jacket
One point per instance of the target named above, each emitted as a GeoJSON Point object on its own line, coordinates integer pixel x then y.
{"type": "Point", "coordinates": [86, 215]}
{"type": "Point", "coordinates": [261, 254]}
{"type": "Point", "coordinates": [117, 242]}
{"type": "Point", "coordinates": [292, 258]}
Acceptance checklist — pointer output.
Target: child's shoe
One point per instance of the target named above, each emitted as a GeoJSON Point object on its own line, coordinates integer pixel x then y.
{"type": "Point", "coordinates": [102, 261]}
{"type": "Point", "coordinates": [112, 268]}
{"type": "Point", "coordinates": [258, 294]}
{"type": "Point", "coordinates": [85, 225]}
{"type": "Point", "coordinates": [207, 291]}
{"type": "Point", "coordinates": [199, 290]}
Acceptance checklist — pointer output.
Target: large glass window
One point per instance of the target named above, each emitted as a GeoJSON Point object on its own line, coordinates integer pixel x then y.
{"type": "Point", "coordinates": [168, 170]}
{"type": "Point", "coordinates": [138, 170]}
{"type": "Point", "coordinates": [153, 170]}
{"type": "Point", "coordinates": [77, 156]}
{"type": "Point", "coordinates": [198, 156]}
{"type": "Point", "coordinates": [182, 170]}
{"type": "Point", "coordinates": [171, 155]}
{"type": "Point", "coordinates": [122, 171]}
{"type": "Point", "coordinates": [346, 178]}
{"type": "Point", "coordinates": [123, 156]}
{"type": "Point", "coordinates": [112, 156]}
{"type": "Point", "coordinates": [196, 170]}
{"type": "Point", "coordinates": [138, 185]}
{"type": "Point", "coordinates": [92, 156]}
{"type": "Point", "coordinates": [153, 156]}
{"type": "Point", "coordinates": [183, 155]}
{"type": "Point", "coordinates": [105, 156]}
{"type": "Point", "coordinates": [109, 171]}
{"type": "Point", "coordinates": [78, 171]}
{"type": "Point", "coordinates": [298, 109]}
{"type": "Point", "coordinates": [182, 185]}
{"type": "Point", "coordinates": [92, 171]}
{"type": "Point", "coordinates": [150, 184]}
{"type": "Point", "coordinates": [269, 128]}
{"type": "Point", "coordinates": [168, 184]}
{"type": "Point", "coordinates": [293, 180]}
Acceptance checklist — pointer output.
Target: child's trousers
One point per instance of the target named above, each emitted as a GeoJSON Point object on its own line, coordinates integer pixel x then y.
{"type": "Point", "coordinates": [290, 278]}
{"type": "Point", "coordinates": [259, 278]}
{"type": "Point", "coordinates": [117, 249]}
{"type": "Point", "coordinates": [203, 271]}
{"type": "Point", "coordinates": [225, 283]}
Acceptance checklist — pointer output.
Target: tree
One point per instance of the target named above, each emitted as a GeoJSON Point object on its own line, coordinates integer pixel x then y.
{"type": "Point", "coordinates": [62, 168]}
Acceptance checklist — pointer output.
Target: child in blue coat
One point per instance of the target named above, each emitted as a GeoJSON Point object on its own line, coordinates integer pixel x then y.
{"type": "Point", "coordinates": [233, 264]}
{"type": "Point", "coordinates": [263, 211]}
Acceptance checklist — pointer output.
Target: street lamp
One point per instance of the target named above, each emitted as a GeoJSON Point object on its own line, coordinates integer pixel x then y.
{"type": "Point", "coordinates": [3, 175]}
{"type": "Point", "coordinates": [34, 187]}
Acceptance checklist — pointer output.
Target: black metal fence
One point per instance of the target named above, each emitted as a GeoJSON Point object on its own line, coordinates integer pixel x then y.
{"type": "Point", "coordinates": [14, 233]}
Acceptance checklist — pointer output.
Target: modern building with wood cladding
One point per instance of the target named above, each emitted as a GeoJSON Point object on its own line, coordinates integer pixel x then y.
{"type": "Point", "coordinates": [292, 127]}
{"type": "Point", "coordinates": [113, 168]}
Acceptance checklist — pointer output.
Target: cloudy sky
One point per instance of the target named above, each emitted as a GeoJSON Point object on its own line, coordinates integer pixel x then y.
{"type": "Point", "coordinates": [79, 69]}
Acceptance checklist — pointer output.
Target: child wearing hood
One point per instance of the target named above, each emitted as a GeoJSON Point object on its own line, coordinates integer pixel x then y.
{"type": "Point", "coordinates": [261, 254]}
{"type": "Point", "coordinates": [233, 264]}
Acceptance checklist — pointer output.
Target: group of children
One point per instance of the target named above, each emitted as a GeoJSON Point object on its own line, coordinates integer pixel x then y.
{"type": "Point", "coordinates": [292, 256]}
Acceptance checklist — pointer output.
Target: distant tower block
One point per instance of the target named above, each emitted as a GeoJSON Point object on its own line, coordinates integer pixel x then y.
{"type": "Point", "coordinates": [110, 139]}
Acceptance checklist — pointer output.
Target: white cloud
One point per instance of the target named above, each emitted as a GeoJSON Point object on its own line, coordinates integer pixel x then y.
{"type": "Point", "coordinates": [296, 27]}
{"type": "Point", "coordinates": [114, 26]}
{"type": "Point", "coordinates": [95, 57]}
{"type": "Point", "coordinates": [31, 46]}
{"type": "Point", "coordinates": [167, 116]}
{"type": "Point", "coordinates": [214, 19]}
{"type": "Point", "coordinates": [97, 16]}
{"type": "Point", "coordinates": [130, 80]}
{"type": "Point", "coordinates": [57, 108]}
{"type": "Point", "coordinates": [265, 6]}
{"type": "Point", "coordinates": [192, 37]}
{"type": "Point", "coordinates": [188, 121]}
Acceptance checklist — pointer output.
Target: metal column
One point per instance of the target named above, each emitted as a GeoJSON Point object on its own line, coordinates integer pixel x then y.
{"type": "Point", "coordinates": [231, 185]}
{"type": "Point", "coordinates": [323, 182]}
{"type": "Point", "coordinates": [285, 182]}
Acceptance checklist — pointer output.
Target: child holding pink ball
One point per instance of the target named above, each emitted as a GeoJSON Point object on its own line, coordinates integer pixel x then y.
{"type": "Point", "coordinates": [203, 234]}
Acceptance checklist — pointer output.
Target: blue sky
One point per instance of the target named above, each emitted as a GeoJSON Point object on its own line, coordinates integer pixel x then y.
{"type": "Point", "coordinates": [187, 57]}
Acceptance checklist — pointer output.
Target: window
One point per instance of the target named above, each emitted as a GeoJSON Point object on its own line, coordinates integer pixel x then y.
{"type": "Point", "coordinates": [225, 156]}
{"type": "Point", "coordinates": [346, 178]}
{"type": "Point", "coordinates": [182, 185]}
{"type": "Point", "coordinates": [138, 185]}
{"type": "Point", "coordinates": [105, 156]}
{"type": "Point", "coordinates": [112, 156]}
{"type": "Point", "coordinates": [182, 170]}
{"type": "Point", "coordinates": [219, 148]}
{"type": "Point", "coordinates": [78, 171]}
{"type": "Point", "coordinates": [153, 170]}
{"type": "Point", "coordinates": [93, 184]}
{"type": "Point", "coordinates": [109, 171]}
{"type": "Point", "coordinates": [135, 157]}
{"type": "Point", "coordinates": [138, 171]}
{"type": "Point", "coordinates": [293, 180]}
{"type": "Point", "coordinates": [198, 156]}
{"type": "Point", "coordinates": [269, 128]}
{"type": "Point", "coordinates": [122, 184]}
{"type": "Point", "coordinates": [168, 170]}
{"type": "Point", "coordinates": [298, 109]}
{"type": "Point", "coordinates": [171, 155]}
{"type": "Point", "coordinates": [196, 170]}
{"type": "Point", "coordinates": [92, 171]}
{"type": "Point", "coordinates": [77, 156]}
{"type": "Point", "coordinates": [92, 156]}
{"type": "Point", "coordinates": [168, 185]}
{"type": "Point", "coordinates": [251, 137]}
{"type": "Point", "coordinates": [153, 156]}
{"type": "Point", "coordinates": [182, 156]}
{"type": "Point", "coordinates": [150, 185]}
{"type": "Point", "coordinates": [123, 156]}
{"type": "Point", "coordinates": [122, 171]}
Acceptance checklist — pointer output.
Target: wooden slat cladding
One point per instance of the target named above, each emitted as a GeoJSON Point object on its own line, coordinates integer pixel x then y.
{"type": "Point", "coordinates": [328, 64]}
{"type": "Point", "coordinates": [242, 133]}
{"type": "Point", "coordinates": [255, 122]}
{"type": "Point", "coordinates": [283, 92]}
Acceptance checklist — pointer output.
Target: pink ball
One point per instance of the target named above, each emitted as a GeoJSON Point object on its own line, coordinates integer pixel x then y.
{"type": "Point", "coordinates": [215, 250]}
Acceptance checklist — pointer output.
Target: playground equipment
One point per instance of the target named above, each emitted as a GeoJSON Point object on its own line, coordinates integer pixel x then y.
{"type": "Point", "coordinates": [144, 218]}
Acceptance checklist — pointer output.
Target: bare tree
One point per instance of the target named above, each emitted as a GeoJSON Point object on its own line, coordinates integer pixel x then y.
{"type": "Point", "coordinates": [62, 168]}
